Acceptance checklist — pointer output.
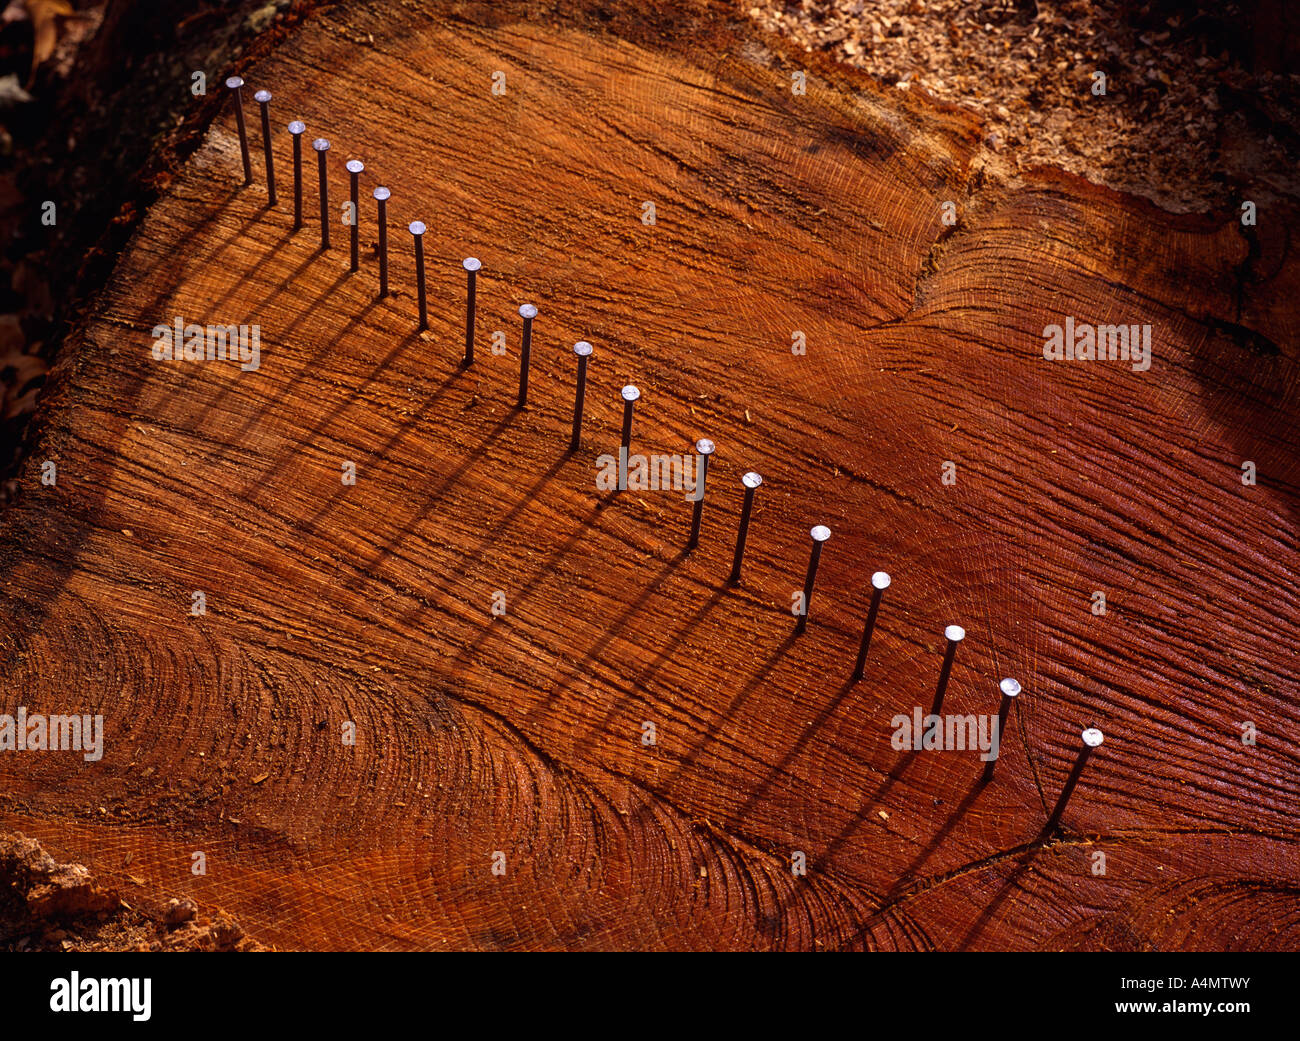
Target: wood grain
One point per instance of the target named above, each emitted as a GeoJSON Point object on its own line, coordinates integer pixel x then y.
{"type": "Point", "coordinates": [522, 733]}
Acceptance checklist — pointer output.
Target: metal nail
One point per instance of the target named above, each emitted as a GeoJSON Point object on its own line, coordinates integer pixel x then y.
{"type": "Point", "coordinates": [751, 481]}
{"type": "Point", "coordinates": [322, 146]}
{"type": "Point", "coordinates": [703, 449]}
{"type": "Point", "coordinates": [820, 533]}
{"type": "Point", "coordinates": [234, 83]}
{"type": "Point", "coordinates": [583, 350]}
{"type": "Point", "coordinates": [879, 583]}
{"type": "Point", "coordinates": [471, 266]}
{"type": "Point", "coordinates": [630, 395]}
{"type": "Point", "coordinates": [382, 195]}
{"type": "Point", "coordinates": [417, 231]}
{"type": "Point", "coordinates": [954, 634]}
{"type": "Point", "coordinates": [1092, 739]}
{"type": "Point", "coordinates": [263, 98]}
{"type": "Point", "coordinates": [1010, 691]}
{"type": "Point", "coordinates": [297, 128]}
{"type": "Point", "coordinates": [355, 167]}
{"type": "Point", "coordinates": [527, 312]}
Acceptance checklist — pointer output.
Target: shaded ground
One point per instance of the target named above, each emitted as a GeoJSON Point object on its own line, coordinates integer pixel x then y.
{"type": "Point", "coordinates": [94, 120]}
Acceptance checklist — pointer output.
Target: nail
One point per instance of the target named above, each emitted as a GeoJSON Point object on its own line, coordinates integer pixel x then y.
{"type": "Point", "coordinates": [583, 350]}
{"type": "Point", "coordinates": [471, 265]}
{"type": "Point", "coordinates": [703, 449]}
{"type": "Point", "coordinates": [1010, 691]}
{"type": "Point", "coordinates": [382, 195]}
{"type": "Point", "coordinates": [417, 230]}
{"type": "Point", "coordinates": [630, 395]}
{"type": "Point", "coordinates": [263, 98]}
{"type": "Point", "coordinates": [879, 583]}
{"type": "Point", "coordinates": [354, 167]}
{"type": "Point", "coordinates": [234, 83]}
{"type": "Point", "coordinates": [322, 146]}
{"type": "Point", "coordinates": [955, 635]}
{"type": "Point", "coordinates": [1092, 738]}
{"type": "Point", "coordinates": [527, 312]}
{"type": "Point", "coordinates": [819, 534]}
{"type": "Point", "coordinates": [297, 128]}
{"type": "Point", "coordinates": [751, 481]}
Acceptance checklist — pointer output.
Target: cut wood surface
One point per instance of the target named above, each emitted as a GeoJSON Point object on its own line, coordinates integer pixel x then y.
{"type": "Point", "coordinates": [523, 733]}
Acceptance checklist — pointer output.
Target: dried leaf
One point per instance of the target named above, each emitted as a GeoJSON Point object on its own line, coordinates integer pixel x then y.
{"type": "Point", "coordinates": [45, 15]}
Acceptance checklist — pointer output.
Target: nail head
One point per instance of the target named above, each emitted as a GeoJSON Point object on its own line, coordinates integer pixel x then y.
{"type": "Point", "coordinates": [820, 533]}
{"type": "Point", "coordinates": [527, 311]}
{"type": "Point", "coordinates": [881, 580]}
{"type": "Point", "coordinates": [262, 96]}
{"type": "Point", "coordinates": [234, 82]}
{"type": "Point", "coordinates": [297, 127]}
{"type": "Point", "coordinates": [382, 194]}
{"type": "Point", "coordinates": [955, 633]}
{"type": "Point", "coordinates": [1010, 687]}
{"type": "Point", "coordinates": [471, 263]}
{"type": "Point", "coordinates": [321, 145]}
{"type": "Point", "coordinates": [752, 480]}
{"type": "Point", "coordinates": [630, 393]}
{"type": "Point", "coordinates": [1092, 737]}
{"type": "Point", "coordinates": [417, 227]}
{"type": "Point", "coordinates": [704, 446]}
{"type": "Point", "coordinates": [582, 349]}
{"type": "Point", "coordinates": [355, 166]}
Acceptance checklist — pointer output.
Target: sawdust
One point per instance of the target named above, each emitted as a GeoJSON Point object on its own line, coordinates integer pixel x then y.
{"type": "Point", "coordinates": [1185, 121]}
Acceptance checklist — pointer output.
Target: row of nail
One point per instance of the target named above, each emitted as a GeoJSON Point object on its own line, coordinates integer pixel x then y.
{"type": "Point", "coordinates": [750, 482]}
{"type": "Point", "coordinates": [528, 312]}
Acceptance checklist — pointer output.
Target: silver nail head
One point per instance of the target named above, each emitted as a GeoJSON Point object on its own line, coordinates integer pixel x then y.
{"type": "Point", "coordinates": [752, 480]}
{"type": "Point", "coordinates": [528, 311]}
{"type": "Point", "coordinates": [383, 194]}
{"type": "Point", "coordinates": [321, 145]}
{"type": "Point", "coordinates": [630, 393]}
{"type": "Point", "coordinates": [1092, 737]}
{"type": "Point", "coordinates": [704, 446]}
{"type": "Point", "coordinates": [262, 96]}
{"type": "Point", "coordinates": [955, 633]}
{"type": "Point", "coordinates": [471, 263]}
{"type": "Point", "coordinates": [417, 227]}
{"type": "Point", "coordinates": [582, 349]}
{"type": "Point", "coordinates": [234, 83]}
{"type": "Point", "coordinates": [297, 127]}
{"type": "Point", "coordinates": [355, 166]}
{"type": "Point", "coordinates": [880, 580]}
{"type": "Point", "coordinates": [1009, 687]}
{"type": "Point", "coordinates": [820, 533]}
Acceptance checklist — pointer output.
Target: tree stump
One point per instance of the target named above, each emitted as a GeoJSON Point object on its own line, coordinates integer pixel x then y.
{"type": "Point", "coordinates": [502, 790]}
